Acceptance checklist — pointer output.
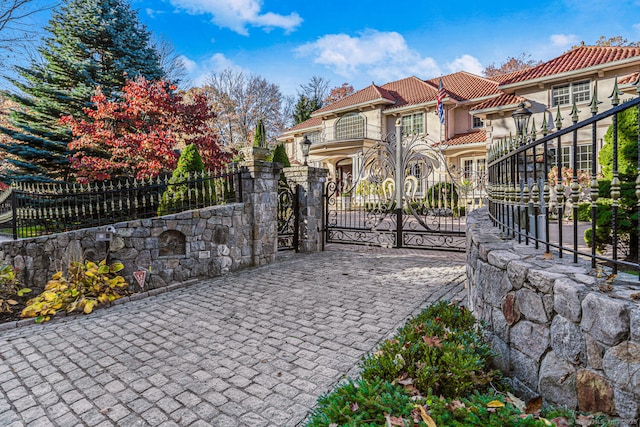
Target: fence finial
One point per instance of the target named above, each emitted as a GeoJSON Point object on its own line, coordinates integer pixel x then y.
{"type": "Point", "coordinates": [559, 119]}
{"type": "Point", "coordinates": [574, 112]}
{"type": "Point", "coordinates": [615, 95]}
{"type": "Point", "coordinates": [594, 99]}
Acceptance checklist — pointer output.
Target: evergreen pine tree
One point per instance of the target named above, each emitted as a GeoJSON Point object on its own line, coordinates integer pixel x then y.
{"type": "Point", "coordinates": [90, 43]}
{"type": "Point", "coordinates": [304, 107]}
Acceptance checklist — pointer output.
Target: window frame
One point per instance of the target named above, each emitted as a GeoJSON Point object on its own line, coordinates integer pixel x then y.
{"type": "Point", "coordinates": [412, 125]}
{"type": "Point", "coordinates": [346, 129]}
{"type": "Point", "coordinates": [473, 122]}
{"type": "Point", "coordinates": [574, 91]}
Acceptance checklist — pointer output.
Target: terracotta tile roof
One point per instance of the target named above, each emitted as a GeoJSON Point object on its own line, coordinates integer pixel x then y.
{"type": "Point", "coordinates": [629, 79]}
{"type": "Point", "coordinates": [463, 86]}
{"type": "Point", "coordinates": [312, 122]}
{"type": "Point", "coordinates": [369, 94]}
{"type": "Point", "coordinates": [508, 76]}
{"type": "Point", "coordinates": [500, 101]}
{"type": "Point", "coordinates": [475, 136]}
{"type": "Point", "coordinates": [575, 59]}
{"type": "Point", "coordinates": [410, 91]}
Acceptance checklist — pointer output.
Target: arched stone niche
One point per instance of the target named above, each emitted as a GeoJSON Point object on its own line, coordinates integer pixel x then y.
{"type": "Point", "coordinates": [172, 243]}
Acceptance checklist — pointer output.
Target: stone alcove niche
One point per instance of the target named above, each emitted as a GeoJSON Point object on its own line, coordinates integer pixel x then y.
{"type": "Point", "coordinates": [172, 243]}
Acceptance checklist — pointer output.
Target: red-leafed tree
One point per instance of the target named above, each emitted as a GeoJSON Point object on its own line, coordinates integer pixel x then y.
{"type": "Point", "coordinates": [339, 92]}
{"type": "Point", "coordinates": [138, 135]}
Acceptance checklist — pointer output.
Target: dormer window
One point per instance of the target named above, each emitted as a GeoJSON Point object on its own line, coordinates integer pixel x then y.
{"type": "Point", "coordinates": [477, 122]}
{"type": "Point", "coordinates": [413, 124]}
{"type": "Point", "coordinates": [567, 94]}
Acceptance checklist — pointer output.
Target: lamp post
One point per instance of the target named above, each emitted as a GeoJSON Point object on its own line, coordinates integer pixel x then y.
{"type": "Point", "coordinates": [305, 145]}
{"type": "Point", "coordinates": [521, 118]}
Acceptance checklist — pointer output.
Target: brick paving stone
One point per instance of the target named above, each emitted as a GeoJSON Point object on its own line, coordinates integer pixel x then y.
{"type": "Point", "coordinates": [252, 348]}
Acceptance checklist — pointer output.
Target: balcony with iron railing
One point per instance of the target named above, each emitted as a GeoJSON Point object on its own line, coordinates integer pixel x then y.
{"type": "Point", "coordinates": [334, 134]}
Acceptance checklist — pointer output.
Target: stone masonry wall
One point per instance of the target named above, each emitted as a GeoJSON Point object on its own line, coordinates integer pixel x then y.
{"type": "Point", "coordinates": [173, 248]}
{"type": "Point", "coordinates": [553, 329]}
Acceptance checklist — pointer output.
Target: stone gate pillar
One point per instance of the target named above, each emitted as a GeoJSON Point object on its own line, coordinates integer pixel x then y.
{"type": "Point", "coordinates": [311, 185]}
{"type": "Point", "coordinates": [260, 196]}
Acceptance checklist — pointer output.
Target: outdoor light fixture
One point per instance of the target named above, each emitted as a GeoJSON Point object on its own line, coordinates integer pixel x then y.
{"type": "Point", "coordinates": [521, 117]}
{"type": "Point", "coordinates": [305, 145]}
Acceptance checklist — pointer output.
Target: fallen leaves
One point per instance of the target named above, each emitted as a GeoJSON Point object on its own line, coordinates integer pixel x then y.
{"type": "Point", "coordinates": [533, 406]}
{"type": "Point", "coordinates": [547, 256]}
{"type": "Point", "coordinates": [584, 420]}
{"type": "Point", "coordinates": [426, 418]}
{"type": "Point", "coordinates": [635, 296]}
{"type": "Point", "coordinates": [432, 341]}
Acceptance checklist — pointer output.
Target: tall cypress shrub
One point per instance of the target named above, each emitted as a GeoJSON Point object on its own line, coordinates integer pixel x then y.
{"type": "Point", "coordinates": [90, 43]}
{"type": "Point", "coordinates": [181, 192]}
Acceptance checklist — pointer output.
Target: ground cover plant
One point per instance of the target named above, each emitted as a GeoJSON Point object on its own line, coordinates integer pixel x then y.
{"type": "Point", "coordinates": [12, 295]}
{"type": "Point", "coordinates": [435, 372]}
{"type": "Point", "coordinates": [83, 287]}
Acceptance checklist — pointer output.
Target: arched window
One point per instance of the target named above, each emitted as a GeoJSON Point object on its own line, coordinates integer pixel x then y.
{"type": "Point", "coordinates": [350, 126]}
{"type": "Point", "coordinates": [314, 137]}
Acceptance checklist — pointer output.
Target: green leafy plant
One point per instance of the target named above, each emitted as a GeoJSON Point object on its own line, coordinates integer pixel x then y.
{"type": "Point", "coordinates": [438, 352]}
{"type": "Point", "coordinates": [9, 289]}
{"type": "Point", "coordinates": [443, 195]}
{"type": "Point", "coordinates": [362, 403]}
{"type": "Point", "coordinates": [86, 286]}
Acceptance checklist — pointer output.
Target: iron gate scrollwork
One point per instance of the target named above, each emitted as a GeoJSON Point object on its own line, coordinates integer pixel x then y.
{"type": "Point", "coordinates": [402, 194]}
{"type": "Point", "coordinates": [288, 216]}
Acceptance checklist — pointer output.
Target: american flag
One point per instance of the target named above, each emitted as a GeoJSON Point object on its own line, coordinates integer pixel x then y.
{"type": "Point", "coordinates": [440, 98]}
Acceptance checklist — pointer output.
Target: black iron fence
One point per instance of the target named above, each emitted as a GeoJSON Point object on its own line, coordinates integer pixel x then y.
{"type": "Point", "coordinates": [586, 204]}
{"type": "Point", "coordinates": [31, 209]}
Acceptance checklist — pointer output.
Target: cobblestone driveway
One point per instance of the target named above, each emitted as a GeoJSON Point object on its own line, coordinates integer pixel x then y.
{"type": "Point", "coordinates": [253, 348]}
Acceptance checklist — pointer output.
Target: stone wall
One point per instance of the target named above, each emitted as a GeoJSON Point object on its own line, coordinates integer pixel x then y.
{"type": "Point", "coordinates": [553, 329]}
{"type": "Point", "coordinates": [173, 248]}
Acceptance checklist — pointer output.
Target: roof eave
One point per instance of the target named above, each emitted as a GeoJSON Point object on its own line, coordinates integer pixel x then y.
{"type": "Point", "coordinates": [372, 103]}
{"type": "Point", "coordinates": [579, 72]}
{"type": "Point", "coordinates": [495, 109]}
{"type": "Point", "coordinates": [408, 107]}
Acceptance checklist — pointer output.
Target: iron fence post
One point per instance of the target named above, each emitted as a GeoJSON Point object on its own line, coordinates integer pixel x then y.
{"type": "Point", "coordinates": [399, 183]}
{"type": "Point", "coordinates": [14, 209]}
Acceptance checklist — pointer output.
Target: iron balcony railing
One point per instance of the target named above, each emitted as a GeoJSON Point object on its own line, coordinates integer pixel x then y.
{"type": "Point", "coordinates": [592, 213]}
{"type": "Point", "coordinates": [35, 209]}
{"type": "Point", "coordinates": [335, 134]}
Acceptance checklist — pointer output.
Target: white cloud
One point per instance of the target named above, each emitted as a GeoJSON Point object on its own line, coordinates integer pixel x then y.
{"type": "Point", "coordinates": [236, 15]}
{"type": "Point", "coordinates": [152, 13]}
{"type": "Point", "coordinates": [384, 56]}
{"type": "Point", "coordinates": [636, 26]}
{"type": "Point", "coordinates": [563, 40]}
{"type": "Point", "coordinates": [466, 63]}
{"type": "Point", "coordinates": [199, 71]}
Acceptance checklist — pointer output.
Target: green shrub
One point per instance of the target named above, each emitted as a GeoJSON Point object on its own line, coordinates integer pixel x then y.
{"type": "Point", "coordinates": [584, 211]}
{"type": "Point", "coordinates": [436, 195]}
{"type": "Point", "coordinates": [361, 403]}
{"type": "Point", "coordinates": [479, 410]}
{"type": "Point", "coordinates": [440, 351]}
{"type": "Point", "coordinates": [180, 192]}
{"type": "Point", "coordinates": [9, 289]}
{"type": "Point", "coordinates": [280, 155]}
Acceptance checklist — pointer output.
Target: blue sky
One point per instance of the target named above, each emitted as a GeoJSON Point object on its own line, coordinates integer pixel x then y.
{"type": "Point", "coordinates": [358, 42]}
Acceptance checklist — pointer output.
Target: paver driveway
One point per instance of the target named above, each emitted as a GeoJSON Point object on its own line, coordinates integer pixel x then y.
{"type": "Point", "coordinates": [252, 348]}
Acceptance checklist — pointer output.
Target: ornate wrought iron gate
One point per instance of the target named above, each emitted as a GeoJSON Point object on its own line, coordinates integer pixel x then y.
{"type": "Point", "coordinates": [288, 216]}
{"type": "Point", "coordinates": [401, 195]}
